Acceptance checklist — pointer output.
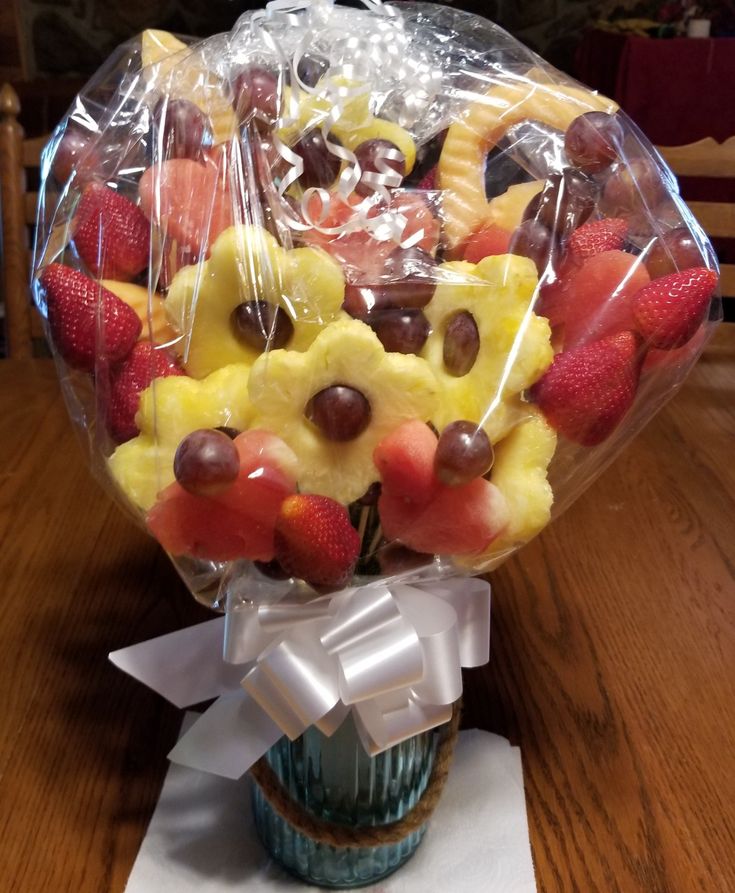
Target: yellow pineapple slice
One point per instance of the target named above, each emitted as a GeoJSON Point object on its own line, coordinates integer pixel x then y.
{"type": "Point", "coordinates": [398, 387]}
{"type": "Point", "coordinates": [170, 409]}
{"type": "Point", "coordinates": [248, 264]}
{"type": "Point", "coordinates": [506, 210]}
{"type": "Point", "coordinates": [515, 344]}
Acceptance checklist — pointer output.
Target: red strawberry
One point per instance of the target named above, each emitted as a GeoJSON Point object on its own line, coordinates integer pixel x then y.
{"type": "Point", "coordinates": [144, 363]}
{"type": "Point", "coordinates": [315, 540]}
{"type": "Point", "coordinates": [587, 390]}
{"type": "Point", "coordinates": [87, 321]}
{"type": "Point", "coordinates": [598, 298]}
{"type": "Point", "coordinates": [669, 310]}
{"type": "Point", "coordinates": [111, 234]}
{"type": "Point", "coordinates": [593, 238]}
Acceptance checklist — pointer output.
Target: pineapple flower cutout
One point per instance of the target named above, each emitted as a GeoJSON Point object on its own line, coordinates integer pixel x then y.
{"type": "Point", "coordinates": [248, 267]}
{"type": "Point", "coordinates": [396, 387]}
{"type": "Point", "coordinates": [170, 409]}
{"type": "Point", "coordinates": [514, 351]}
{"type": "Point", "coordinates": [514, 343]}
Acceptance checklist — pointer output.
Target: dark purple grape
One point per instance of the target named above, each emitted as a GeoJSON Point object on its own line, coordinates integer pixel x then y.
{"type": "Point", "coordinates": [592, 140]}
{"type": "Point", "coordinates": [464, 452]}
{"type": "Point", "coordinates": [368, 154]}
{"type": "Point", "coordinates": [255, 96]}
{"type": "Point", "coordinates": [461, 343]}
{"type": "Point", "coordinates": [185, 129]}
{"type": "Point", "coordinates": [261, 325]}
{"type": "Point", "coordinates": [533, 240]}
{"type": "Point", "coordinates": [311, 69]}
{"type": "Point", "coordinates": [320, 166]}
{"type": "Point", "coordinates": [565, 202]}
{"type": "Point", "coordinates": [400, 331]}
{"type": "Point", "coordinates": [206, 462]}
{"type": "Point", "coordinates": [340, 412]}
{"type": "Point", "coordinates": [676, 250]}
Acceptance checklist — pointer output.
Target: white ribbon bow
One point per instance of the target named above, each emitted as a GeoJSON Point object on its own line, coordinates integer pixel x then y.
{"type": "Point", "coordinates": [391, 655]}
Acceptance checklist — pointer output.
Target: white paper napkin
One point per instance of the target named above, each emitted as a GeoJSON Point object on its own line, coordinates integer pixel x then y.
{"type": "Point", "coordinates": [201, 838]}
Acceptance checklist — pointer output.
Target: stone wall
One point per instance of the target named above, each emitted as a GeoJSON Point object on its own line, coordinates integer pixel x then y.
{"type": "Point", "coordinates": [74, 36]}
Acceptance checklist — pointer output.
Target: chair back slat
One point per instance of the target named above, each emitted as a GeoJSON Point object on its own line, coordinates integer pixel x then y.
{"type": "Point", "coordinates": [705, 158]}
{"type": "Point", "coordinates": [708, 158]}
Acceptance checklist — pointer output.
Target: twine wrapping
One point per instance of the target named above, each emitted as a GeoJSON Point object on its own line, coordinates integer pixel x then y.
{"type": "Point", "coordinates": [354, 836]}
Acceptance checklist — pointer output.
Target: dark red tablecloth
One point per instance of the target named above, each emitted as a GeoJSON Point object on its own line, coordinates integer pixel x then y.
{"type": "Point", "coordinates": [678, 90]}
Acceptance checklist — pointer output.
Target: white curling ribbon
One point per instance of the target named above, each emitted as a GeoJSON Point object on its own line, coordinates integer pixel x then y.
{"type": "Point", "coordinates": [390, 653]}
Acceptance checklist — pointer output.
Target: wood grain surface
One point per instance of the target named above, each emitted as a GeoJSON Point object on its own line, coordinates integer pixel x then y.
{"type": "Point", "coordinates": [613, 657]}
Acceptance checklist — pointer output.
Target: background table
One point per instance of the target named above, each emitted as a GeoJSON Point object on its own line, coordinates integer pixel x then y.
{"type": "Point", "coordinates": [612, 665]}
{"type": "Point", "coordinates": [677, 90]}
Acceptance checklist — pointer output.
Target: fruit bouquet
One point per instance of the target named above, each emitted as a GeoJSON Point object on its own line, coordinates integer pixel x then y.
{"type": "Point", "coordinates": [347, 300]}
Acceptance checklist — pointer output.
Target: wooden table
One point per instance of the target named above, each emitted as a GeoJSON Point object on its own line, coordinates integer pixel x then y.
{"type": "Point", "coordinates": [613, 659]}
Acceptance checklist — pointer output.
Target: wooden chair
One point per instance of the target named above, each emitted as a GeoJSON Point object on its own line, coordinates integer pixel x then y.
{"type": "Point", "coordinates": [708, 158]}
{"type": "Point", "coordinates": [17, 157]}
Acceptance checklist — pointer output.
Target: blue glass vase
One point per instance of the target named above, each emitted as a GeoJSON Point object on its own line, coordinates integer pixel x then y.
{"type": "Point", "coordinates": [335, 779]}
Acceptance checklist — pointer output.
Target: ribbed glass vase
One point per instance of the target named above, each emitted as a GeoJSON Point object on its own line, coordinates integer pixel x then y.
{"type": "Point", "coordinates": [335, 779]}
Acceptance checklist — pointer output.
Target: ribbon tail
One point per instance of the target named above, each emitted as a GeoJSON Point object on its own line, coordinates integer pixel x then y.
{"type": "Point", "coordinates": [185, 667]}
{"type": "Point", "coordinates": [228, 738]}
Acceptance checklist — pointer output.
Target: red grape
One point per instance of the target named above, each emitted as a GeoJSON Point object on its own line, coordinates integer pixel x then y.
{"type": "Point", "coordinates": [261, 325]}
{"type": "Point", "coordinates": [676, 250]}
{"type": "Point", "coordinates": [340, 412]}
{"type": "Point", "coordinates": [400, 331]}
{"type": "Point", "coordinates": [407, 280]}
{"type": "Point", "coordinates": [633, 188]}
{"type": "Point", "coordinates": [368, 155]}
{"type": "Point", "coordinates": [311, 68]}
{"type": "Point", "coordinates": [185, 129]}
{"type": "Point", "coordinates": [591, 141]}
{"type": "Point", "coordinates": [533, 240]}
{"type": "Point", "coordinates": [461, 343]}
{"type": "Point", "coordinates": [464, 452]}
{"type": "Point", "coordinates": [565, 202]}
{"type": "Point", "coordinates": [75, 154]}
{"type": "Point", "coordinates": [320, 166]}
{"type": "Point", "coordinates": [206, 462]}
{"type": "Point", "coordinates": [255, 96]}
